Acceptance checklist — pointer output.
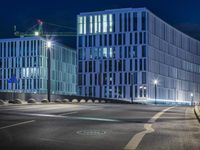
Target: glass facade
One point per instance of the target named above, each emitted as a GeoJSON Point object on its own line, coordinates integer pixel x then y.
{"type": "Point", "coordinates": [110, 52]}
{"type": "Point", "coordinates": [26, 59]}
{"type": "Point", "coordinates": [124, 50]}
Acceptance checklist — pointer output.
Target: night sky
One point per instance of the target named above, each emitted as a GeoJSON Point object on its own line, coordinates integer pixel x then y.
{"type": "Point", "coordinates": [183, 14]}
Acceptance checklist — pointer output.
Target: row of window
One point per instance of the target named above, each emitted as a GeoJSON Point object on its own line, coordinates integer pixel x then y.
{"type": "Point", "coordinates": [112, 65]}
{"type": "Point", "coordinates": [120, 22]}
{"type": "Point", "coordinates": [35, 85]}
{"type": "Point", "coordinates": [111, 52]}
{"type": "Point", "coordinates": [126, 92]}
{"type": "Point", "coordinates": [171, 35]}
{"type": "Point", "coordinates": [112, 39]}
{"type": "Point", "coordinates": [21, 48]}
{"type": "Point", "coordinates": [125, 78]}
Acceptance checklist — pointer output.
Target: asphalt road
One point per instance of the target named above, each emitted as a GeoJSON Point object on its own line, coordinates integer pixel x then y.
{"type": "Point", "coordinates": [98, 127]}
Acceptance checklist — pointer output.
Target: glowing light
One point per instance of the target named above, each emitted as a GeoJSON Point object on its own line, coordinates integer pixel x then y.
{"type": "Point", "coordinates": [49, 44]}
{"type": "Point", "coordinates": [155, 82]}
{"type": "Point", "coordinates": [37, 33]}
{"type": "Point", "coordinates": [191, 94]}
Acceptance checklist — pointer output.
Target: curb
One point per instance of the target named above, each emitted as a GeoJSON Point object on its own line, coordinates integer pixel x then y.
{"type": "Point", "coordinates": [197, 112]}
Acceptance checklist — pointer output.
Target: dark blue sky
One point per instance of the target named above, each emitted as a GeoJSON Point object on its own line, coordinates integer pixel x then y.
{"type": "Point", "coordinates": [183, 14]}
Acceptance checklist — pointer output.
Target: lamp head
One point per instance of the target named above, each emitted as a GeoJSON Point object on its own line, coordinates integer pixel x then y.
{"type": "Point", "coordinates": [49, 44]}
{"type": "Point", "coordinates": [155, 82]}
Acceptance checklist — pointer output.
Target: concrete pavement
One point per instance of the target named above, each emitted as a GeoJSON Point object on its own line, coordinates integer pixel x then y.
{"type": "Point", "coordinates": [98, 126]}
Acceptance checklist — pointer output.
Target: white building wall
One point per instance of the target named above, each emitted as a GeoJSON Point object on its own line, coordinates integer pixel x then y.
{"type": "Point", "coordinates": [26, 59]}
{"type": "Point", "coordinates": [174, 61]}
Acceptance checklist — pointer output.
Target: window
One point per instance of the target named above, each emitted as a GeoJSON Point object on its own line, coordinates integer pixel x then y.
{"type": "Point", "coordinates": [80, 25]}
{"type": "Point", "coordinates": [110, 23]}
{"type": "Point", "coordinates": [140, 64]}
{"type": "Point", "coordinates": [143, 21]}
{"type": "Point", "coordinates": [99, 23]}
{"type": "Point", "coordinates": [84, 25]}
{"type": "Point", "coordinates": [79, 79]}
{"type": "Point", "coordinates": [80, 53]}
{"type": "Point", "coordinates": [105, 23]}
{"type": "Point", "coordinates": [143, 51]}
{"type": "Point", "coordinates": [135, 78]}
{"type": "Point", "coordinates": [136, 65]}
{"type": "Point", "coordinates": [136, 38]}
{"type": "Point", "coordinates": [105, 52]}
{"type": "Point", "coordinates": [145, 91]}
{"type": "Point", "coordinates": [140, 37]}
{"type": "Point", "coordinates": [136, 93]}
{"type": "Point", "coordinates": [143, 77]}
{"type": "Point", "coordinates": [91, 24]}
{"type": "Point", "coordinates": [134, 21]}
{"type": "Point", "coordinates": [145, 65]}
{"type": "Point", "coordinates": [141, 88]}
{"type": "Point", "coordinates": [95, 24]}
{"type": "Point", "coordinates": [134, 51]}
{"type": "Point", "coordinates": [120, 23]}
{"type": "Point", "coordinates": [90, 66]}
{"type": "Point", "coordinates": [111, 53]}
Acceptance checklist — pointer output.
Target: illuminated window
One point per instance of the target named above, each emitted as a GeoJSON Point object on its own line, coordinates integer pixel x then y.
{"type": "Point", "coordinates": [105, 23]}
{"type": "Point", "coordinates": [99, 23]}
{"type": "Point", "coordinates": [95, 24]}
{"type": "Point", "coordinates": [110, 23]}
{"type": "Point", "coordinates": [111, 53]}
{"type": "Point", "coordinates": [104, 52]}
{"type": "Point", "coordinates": [80, 25]}
{"type": "Point", "coordinates": [84, 25]}
{"type": "Point", "coordinates": [91, 24]}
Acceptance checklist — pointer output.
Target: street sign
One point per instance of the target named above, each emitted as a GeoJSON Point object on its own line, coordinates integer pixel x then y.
{"type": "Point", "coordinates": [13, 79]}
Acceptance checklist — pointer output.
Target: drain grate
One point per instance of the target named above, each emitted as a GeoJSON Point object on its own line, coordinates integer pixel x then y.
{"type": "Point", "coordinates": [91, 132]}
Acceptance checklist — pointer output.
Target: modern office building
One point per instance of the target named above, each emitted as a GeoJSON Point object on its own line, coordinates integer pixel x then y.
{"type": "Point", "coordinates": [121, 53]}
{"type": "Point", "coordinates": [26, 60]}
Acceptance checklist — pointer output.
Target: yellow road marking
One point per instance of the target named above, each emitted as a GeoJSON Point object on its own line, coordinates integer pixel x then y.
{"type": "Point", "coordinates": [136, 139]}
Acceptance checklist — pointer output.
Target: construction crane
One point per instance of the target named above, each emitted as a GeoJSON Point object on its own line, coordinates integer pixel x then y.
{"type": "Point", "coordinates": [38, 30]}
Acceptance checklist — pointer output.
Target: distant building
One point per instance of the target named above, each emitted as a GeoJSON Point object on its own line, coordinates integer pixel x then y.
{"type": "Point", "coordinates": [122, 51]}
{"type": "Point", "coordinates": [26, 60]}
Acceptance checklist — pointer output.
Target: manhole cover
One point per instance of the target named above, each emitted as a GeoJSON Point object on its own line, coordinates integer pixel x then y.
{"type": "Point", "coordinates": [91, 132]}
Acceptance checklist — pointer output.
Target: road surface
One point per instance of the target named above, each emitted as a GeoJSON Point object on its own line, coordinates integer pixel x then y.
{"type": "Point", "coordinates": [98, 127]}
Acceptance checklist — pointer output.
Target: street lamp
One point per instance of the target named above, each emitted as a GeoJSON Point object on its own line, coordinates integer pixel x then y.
{"type": "Point", "coordinates": [49, 46]}
{"type": "Point", "coordinates": [155, 85]}
{"type": "Point", "coordinates": [192, 96]}
{"type": "Point", "coordinates": [36, 33]}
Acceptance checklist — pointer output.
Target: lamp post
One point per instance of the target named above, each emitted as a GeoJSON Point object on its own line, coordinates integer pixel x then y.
{"type": "Point", "coordinates": [132, 79]}
{"type": "Point", "coordinates": [49, 46]}
{"type": "Point", "coordinates": [192, 96]}
{"type": "Point", "coordinates": [155, 85]}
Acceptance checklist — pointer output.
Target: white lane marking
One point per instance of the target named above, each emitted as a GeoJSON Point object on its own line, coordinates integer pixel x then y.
{"type": "Point", "coordinates": [68, 113]}
{"type": "Point", "coordinates": [136, 139]}
{"type": "Point", "coordinates": [96, 109]}
{"type": "Point", "coordinates": [17, 124]}
{"type": "Point", "coordinates": [51, 140]}
{"type": "Point", "coordinates": [70, 117]}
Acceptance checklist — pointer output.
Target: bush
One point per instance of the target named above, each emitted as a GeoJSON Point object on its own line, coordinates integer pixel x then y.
{"type": "Point", "coordinates": [74, 101]}
{"type": "Point", "coordinates": [44, 101]}
{"type": "Point", "coordinates": [89, 101]}
{"type": "Point", "coordinates": [2, 102]}
{"type": "Point", "coordinates": [16, 101]}
{"type": "Point", "coordinates": [58, 101]}
{"type": "Point", "coordinates": [82, 101]}
{"type": "Point", "coordinates": [103, 101]}
{"type": "Point", "coordinates": [65, 100]}
{"type": "Point", "coordinates": [31, 101]}
{"type": "Point", "coordinates": [96, 101]}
